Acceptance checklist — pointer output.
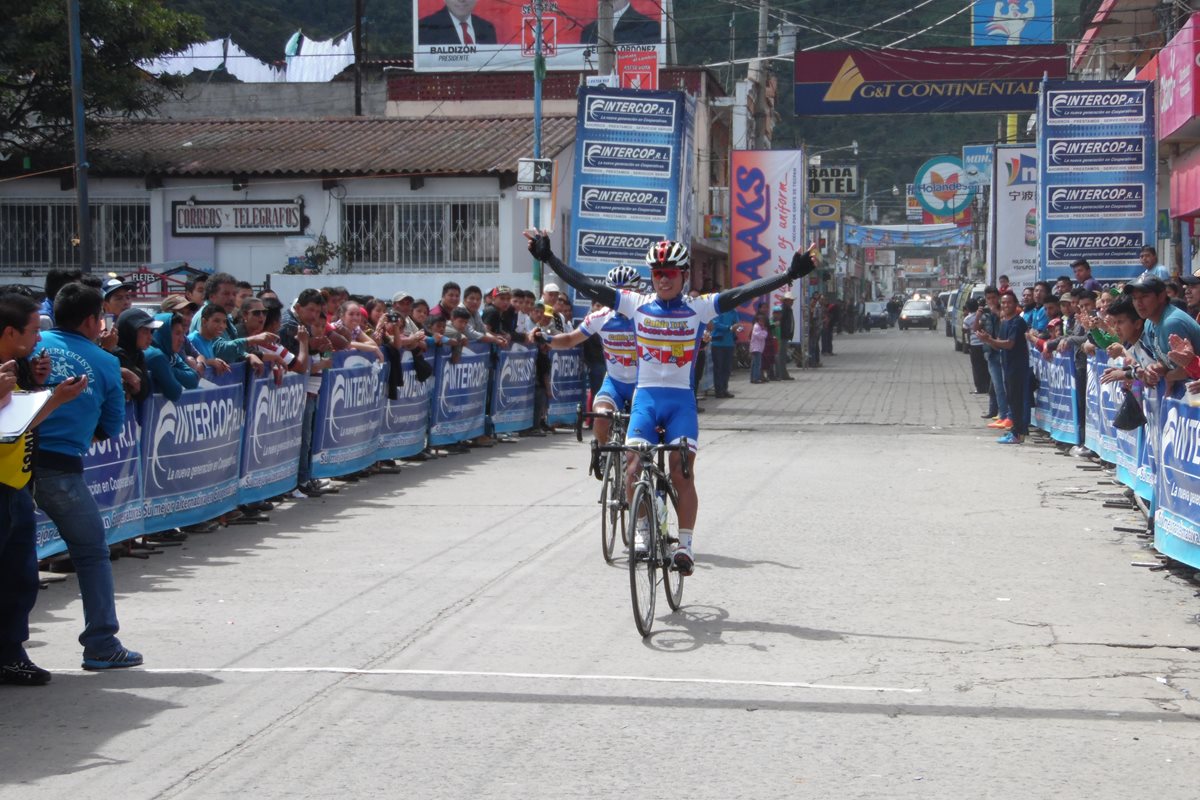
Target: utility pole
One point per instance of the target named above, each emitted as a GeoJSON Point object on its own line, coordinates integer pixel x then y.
{"type": "Point", "coordinates": [358, 56]}
{"type": "Point", "coordinates": [757, 74]}
{"type": "Point", "coordinates": [539, 72]}
{"type": "Point", "coordinates": [83, 212]}
{"type": "Point", "coordinates": [605, 50]}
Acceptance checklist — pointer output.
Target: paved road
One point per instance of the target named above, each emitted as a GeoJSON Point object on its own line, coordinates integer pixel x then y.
{"type": "Point", "coordinates": [887, 605]}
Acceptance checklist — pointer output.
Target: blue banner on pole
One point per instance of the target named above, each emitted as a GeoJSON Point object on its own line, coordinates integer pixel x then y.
{"type": "Point", "coordinates": [271, 449]}
{"type": "Point", "coordinates": [192, 452]}
{"type": "Point", "coordinates": [349, 410]}
{"type": "Point", "coordinates": [1039, 414]}
{"type": "Point", "coordinates": [406, 417]}
{"type": "Point", "coordinates": [459, 398]}
{"type": "Point", "coordinates": [512, 388]}
{"type": "Point", "coordinates": [568, 385]}
{"type": "Point", "coordinates": [1098, 176]}
{"type": "Point", "coordinates": [1091, 409]}
{"type": "Point", "coordinates": [113, 474]}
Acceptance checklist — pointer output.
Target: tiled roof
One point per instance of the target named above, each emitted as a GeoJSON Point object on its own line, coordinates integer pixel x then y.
{"type": "Point", "coordinates": [343, 146]}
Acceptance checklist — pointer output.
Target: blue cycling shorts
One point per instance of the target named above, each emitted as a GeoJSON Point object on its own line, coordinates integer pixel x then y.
{"type": "Point", "coordinates": [618, 393]}
{"type": "Point", "coordinates": [673, 410]}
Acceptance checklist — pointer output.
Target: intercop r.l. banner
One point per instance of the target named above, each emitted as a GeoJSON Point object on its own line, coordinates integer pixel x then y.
{"type": "Point", "coordinates": [766, 216]}
{"type": "Point", "coordinates": [568, 383]}
{"type": "Point", "coordinates": [271, 451]}
{"type": "Point", "coordinates": [459, 398]}
{"type": "Point", "coordinates": [192, 451]}
{"type": "Point", "coordinates": [405, 416]}
{"type": "Point", "coordinates": [512, 389]}
{"type": "Point", "coordinates": [112, 472]}
{"type": "Point", "coordinates": [349, 411]}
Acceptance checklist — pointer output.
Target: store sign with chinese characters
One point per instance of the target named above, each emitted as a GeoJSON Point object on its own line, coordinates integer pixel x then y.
{"type": "Point", "coordinates": [237, 217]}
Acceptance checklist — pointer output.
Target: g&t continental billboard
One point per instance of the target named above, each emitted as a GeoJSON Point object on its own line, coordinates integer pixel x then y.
{"type": "Point", "coordinates": [499, 35]}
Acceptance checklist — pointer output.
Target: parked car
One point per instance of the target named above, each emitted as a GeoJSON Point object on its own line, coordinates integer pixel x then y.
{"type": "Point", "coordinates": [875, 316]}
{"type": "Point", "coordinates": [945, 305]}
{"type": "Point", "coordinates": [918, 314]}
{"type": "Point", "coordinates": [968, 291]}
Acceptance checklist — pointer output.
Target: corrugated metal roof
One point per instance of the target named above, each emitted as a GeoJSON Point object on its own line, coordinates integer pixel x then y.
{"type": "Point", "coordinates": [344, 146]}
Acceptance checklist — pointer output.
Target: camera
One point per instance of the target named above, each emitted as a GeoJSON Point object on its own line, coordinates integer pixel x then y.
{"type": "Point", "coordinates": [392, 316]}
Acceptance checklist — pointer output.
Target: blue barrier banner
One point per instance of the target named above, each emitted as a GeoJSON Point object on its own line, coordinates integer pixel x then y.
{"type": "Point", "coordinates": [568, 386]}
{"type": "Point", "coordinates": [349, 412]}
{"type": "Point", "coordinates": [1091, 409]}
{"type": "Point", "coordinates": [1176, 530]}
{"type": "Point", "coordinates": [1063, 416]}
{"type": "Point", "coordinates": [1152, 399]}
{"type": "Point", "coordinates": [459, 398]}
{"type": "Point", "coordinates": [405, 419]}
{"type": "Point", "coordinates": [113, 475]}
{"type": "Point", "coordinates": [192, 452]}
{"type": "Point", "coordinates": [1039, 414]}
{"type": "Point", "coordinates": [512, 388]}
{"type": "Point", "coordinates": [1111, 395]}
{"type": "Point", "coordinates": [271, 444]}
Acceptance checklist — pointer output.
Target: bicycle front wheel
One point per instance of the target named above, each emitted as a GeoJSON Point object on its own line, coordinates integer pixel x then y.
{"type": "Point", "coordinates": [643, 566]}
{"type": "Point", "coordinates": [611, 495]}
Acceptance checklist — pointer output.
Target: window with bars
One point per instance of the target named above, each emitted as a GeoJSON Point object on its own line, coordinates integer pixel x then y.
{"type": "Point", "coordinates": [392, 235]}
{"type": "Point", "coordinates": [37, 234]}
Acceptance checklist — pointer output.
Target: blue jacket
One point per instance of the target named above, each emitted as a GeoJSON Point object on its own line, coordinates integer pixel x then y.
{"type": "Point", "coordinates": [169, 373]}
{"type": "Point", "coordinates": [722, 335]}
{"type": "Point", "coordinates": [227, 347]}
{"type": "Point", "coordinates": [97, 413]}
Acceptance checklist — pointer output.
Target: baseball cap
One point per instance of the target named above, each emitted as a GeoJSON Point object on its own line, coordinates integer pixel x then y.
{"type": "Point", "coordinates": [551, 287]}
{"type": "Point", "coordinates": [113, 284]}
{"type": "Point", "coordinates": [1189, 280]}
{"type": "Point", "coordinates": [788, 296]}
{"type": "Point", "coordinates": [1146, 282]}
{"type": "Point", "coordinates": [138, 318]}
{"type": "Point", "coordinates": [501, 289]}
{"type": "Point", "coordinates": [177, 302]}
{"type": "Point", "coordinates": [401, 296]}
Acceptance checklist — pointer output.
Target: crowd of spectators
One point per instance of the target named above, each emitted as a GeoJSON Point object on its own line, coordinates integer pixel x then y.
{"type": "Point", "coordinates": [1148, 327]}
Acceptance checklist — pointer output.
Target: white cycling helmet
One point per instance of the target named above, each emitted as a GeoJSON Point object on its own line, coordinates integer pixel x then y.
{"type": "Point", "coordinates": [624, 276]}
{"type": "Point", "coordinates": [668, 255]}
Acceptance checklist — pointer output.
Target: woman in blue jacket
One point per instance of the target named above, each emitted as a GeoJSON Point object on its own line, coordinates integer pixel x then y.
{"type": "Point", "coordinates": [169, 372]}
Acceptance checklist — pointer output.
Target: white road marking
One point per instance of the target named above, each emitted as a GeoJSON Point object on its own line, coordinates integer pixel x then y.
{"type": "Point", "coordinates": [449, 673]}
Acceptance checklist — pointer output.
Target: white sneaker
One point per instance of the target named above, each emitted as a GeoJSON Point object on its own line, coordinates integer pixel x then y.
{"type": "Point", "coordinates": [639, 540]}
{"type": "Point", "coordinates": [683, 561]}
{"type": "Point", "coordinates": [298, 495]}
{"type": "Point", "coordinates": [1079, 451]}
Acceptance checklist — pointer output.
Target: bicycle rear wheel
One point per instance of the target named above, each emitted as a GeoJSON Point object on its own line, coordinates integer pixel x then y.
{"type": "Point", "coordinates": [672, 580]}
{"type": "Point", "coordinates": [643, 580]}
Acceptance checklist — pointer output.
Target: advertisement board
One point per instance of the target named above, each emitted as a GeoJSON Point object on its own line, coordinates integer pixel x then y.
{"type": "Point", "coordinates": [1097, 176]}
{"type": "Point", "coordinates": [1012, 22]}
{"type": "Point", "coordinates": [834, 180]}
{"type": "Point", "coordinates": [633, 175]}
{"type": "Point", "coordinates": [941, 186]}
{"type": "Point", "coordinates": [977, 164]}
{"type": "Point", "coordinates": [1178, 100]}
{"type": "Point", "coordinates": [941, 80]}
{"type": "Point", "coordinates": [349, 408]}
{"type": "Point", "coordinates": [766, 215]}
{"type": "Point", "coordinates": [459, 400]}
{"type": "Point", "coordinates": [495, 35]}
{"type": "Point", "coordinates": [1014, 240]}
{"type": "Point", "coordinates": [271, 449]}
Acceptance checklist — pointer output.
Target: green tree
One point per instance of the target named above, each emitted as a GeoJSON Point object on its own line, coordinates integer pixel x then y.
{"type": "Point", "coordinates": [35, 72]}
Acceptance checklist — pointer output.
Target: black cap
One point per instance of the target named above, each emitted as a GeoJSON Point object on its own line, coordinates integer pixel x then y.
{"type": "Point", "coordinates": [112, 284]}
{"type": "Point", "coordinates": [138, 318]}
{"type": "Point", "coordinates": [1146, 282]}
{"type": "Point", "coordinates": [1189, 280]}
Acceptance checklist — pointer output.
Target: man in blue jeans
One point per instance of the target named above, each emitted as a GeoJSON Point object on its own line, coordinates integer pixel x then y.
{"type": "Point", "coordinates": [722, 346]}
{"type": "Point", "coordinates": [19, 326]}
{"type": "Point", "coordinates": [59, 488]}
{"type": "Point", "coordinates": [989, 322]}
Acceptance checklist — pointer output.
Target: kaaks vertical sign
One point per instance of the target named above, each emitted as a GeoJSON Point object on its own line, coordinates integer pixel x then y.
{"type": "Point", "coordinates": [767, 214]}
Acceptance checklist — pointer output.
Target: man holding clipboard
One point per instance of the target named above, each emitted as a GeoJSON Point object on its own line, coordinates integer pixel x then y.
{"type": "Point", "coordinates": [21, 410]}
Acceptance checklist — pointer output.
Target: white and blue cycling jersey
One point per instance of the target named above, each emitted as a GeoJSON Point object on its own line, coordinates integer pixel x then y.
{"type": "Point", "coordinates": [620, 344]}
{"type": "Point", "coordinates": [667, 334]}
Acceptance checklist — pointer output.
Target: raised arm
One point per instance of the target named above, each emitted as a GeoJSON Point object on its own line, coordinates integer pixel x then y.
{"type": "Point", "coordinates": [802, 264]}
{"type": "Point", "coordinates": [539, 247]}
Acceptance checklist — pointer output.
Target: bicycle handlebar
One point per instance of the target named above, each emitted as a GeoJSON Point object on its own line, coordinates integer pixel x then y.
{"type": "Point", "coordinates": [647, 449]}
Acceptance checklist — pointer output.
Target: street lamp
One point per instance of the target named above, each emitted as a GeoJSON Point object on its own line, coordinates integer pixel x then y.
{"type": "Point", "coordinates": [814, 159]}
{"type": "Point", "coordinates": [894, 192]}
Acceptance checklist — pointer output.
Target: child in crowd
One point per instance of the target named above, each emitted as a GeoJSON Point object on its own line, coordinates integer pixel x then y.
{"type": "Point", "coordinates": [758, 343]}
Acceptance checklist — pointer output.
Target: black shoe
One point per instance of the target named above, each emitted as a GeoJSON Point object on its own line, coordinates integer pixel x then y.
{"type": "Point", "coordinates": [725, 395]}
{"type": "Point", "coordinates": [594, 468]}
{"type": "Point", "coordinates": [23, 672]}
{"type": "Point", "coordinates": [987, 416]}
{"type": "Point", "coordinates": [699, 409]}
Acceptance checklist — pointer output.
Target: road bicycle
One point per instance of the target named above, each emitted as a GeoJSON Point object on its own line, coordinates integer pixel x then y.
{"type": "Point", "coordinates": [613, 507]}
{"type": "Point", "coordinates": [656, 501]}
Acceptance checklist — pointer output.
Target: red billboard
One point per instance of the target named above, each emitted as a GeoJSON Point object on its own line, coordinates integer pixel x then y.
{"type": "Point", "coordinates": [1178, 104]}
{"type": "Point", "coordinates": [498, 35]}
{"type": "Point", "coordinates": [938, 80]}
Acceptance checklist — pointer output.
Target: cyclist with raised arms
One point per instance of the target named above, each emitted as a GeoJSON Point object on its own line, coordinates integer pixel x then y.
{"type": "Point", "coordinates": [620, 354]}
{"type": "Point", "coordinates": [667, 325]}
